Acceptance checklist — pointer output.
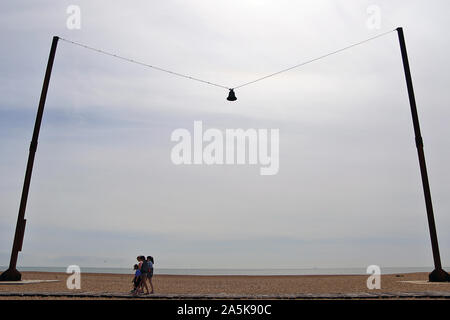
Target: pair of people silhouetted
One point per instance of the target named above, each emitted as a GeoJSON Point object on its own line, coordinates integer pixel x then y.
{"type": "Point", "coordinates": [143, 272]}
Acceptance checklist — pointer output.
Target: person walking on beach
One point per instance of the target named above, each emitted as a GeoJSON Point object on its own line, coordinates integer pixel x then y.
{"type": "Point", "coordinates": [143, 267]}
{"type": "Point", "coordinates": [150, 262]}
{"type": "Point", "coordinates": [136, 279]}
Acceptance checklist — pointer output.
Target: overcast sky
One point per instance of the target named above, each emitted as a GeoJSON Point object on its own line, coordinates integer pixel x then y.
{"type": "Point", "coordinates": [104, 189]}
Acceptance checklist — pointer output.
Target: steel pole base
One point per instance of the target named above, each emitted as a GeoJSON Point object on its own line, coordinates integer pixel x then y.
{"type": "Point", "coordinates": [439, 275]}
{"type": "Point", "coordinates": [11, 275]}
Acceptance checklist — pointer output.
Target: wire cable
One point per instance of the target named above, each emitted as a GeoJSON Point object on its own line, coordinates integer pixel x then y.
{"type": "Point", "coordinates": [313, 60]}
{"type": "Point", "coordinates": [144, 64]}
{"type": "Point", "coordinates": [219, 85]}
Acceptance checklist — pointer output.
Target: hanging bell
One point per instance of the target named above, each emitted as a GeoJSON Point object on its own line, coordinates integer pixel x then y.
{"type": "Point", "coordinates": [231, 96]}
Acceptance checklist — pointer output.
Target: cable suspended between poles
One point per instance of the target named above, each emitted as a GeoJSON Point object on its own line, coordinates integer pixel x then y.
{"type": "Point", "coordinates": [231, 93]}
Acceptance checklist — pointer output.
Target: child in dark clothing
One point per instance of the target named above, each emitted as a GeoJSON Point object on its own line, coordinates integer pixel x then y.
{"type": "Point", "coordinates": [136, 280]}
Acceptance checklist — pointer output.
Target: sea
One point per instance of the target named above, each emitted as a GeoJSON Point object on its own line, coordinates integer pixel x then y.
{"type": "Point", "coordinates": [250, 272]}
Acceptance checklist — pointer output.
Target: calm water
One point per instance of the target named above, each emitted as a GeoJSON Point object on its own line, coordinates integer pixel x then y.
{"type": "Point", "coordinates": [195, 271]}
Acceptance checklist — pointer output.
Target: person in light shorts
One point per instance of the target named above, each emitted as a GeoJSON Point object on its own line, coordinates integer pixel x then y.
{"type": "Point", "coordinates": [150, 263]}
{"type": "Point", "coordinates": [143, 267]}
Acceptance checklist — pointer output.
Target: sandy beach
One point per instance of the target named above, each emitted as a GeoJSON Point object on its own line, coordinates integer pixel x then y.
{"type": "Point", "coordinates": [233, 285]}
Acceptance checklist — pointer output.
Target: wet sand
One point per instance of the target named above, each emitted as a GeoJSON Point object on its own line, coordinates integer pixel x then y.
{"type": "Point", "coordinates": [233, 285]}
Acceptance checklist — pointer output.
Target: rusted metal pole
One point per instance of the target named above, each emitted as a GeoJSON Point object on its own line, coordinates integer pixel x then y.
{"type": "Point", "coordinates": [438, 274]}
{"type": "Point", "coordinates": [12, 274]}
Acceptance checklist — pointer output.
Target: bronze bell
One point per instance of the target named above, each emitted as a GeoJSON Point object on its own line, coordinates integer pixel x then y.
{"type": "Point", "coordinates": [231, 96]}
